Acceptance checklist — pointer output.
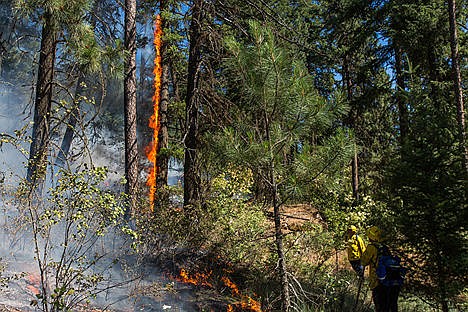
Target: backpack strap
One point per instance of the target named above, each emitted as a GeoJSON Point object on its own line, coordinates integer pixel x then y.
{"type": "Point", "coordinates": [359, 245]}
{"type": "Point", "coordinates": [383, 250]}
{"type": "Point", "coordinates": [378, 247]}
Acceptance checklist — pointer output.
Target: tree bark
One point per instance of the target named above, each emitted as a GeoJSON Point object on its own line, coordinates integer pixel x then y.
{"type": "Point", "coordinates": [162, 161]}
{"type": "Point", "coordinates": [457, 82]}
{"type": "Point", "coordinates": [37, 164]}
{"type": "Point", "coordinates": [400, 81]}
{"type": "Point", "coordinates": [71, 125]}
{"type": "Point", "coordinates": [354, 161]}
{"type": "Point", "coordinates": [191, 175]}
{"type": "Point", "coordinates": [285, 298]}
{"type": "Point", "coordinates": [131, 147]}
{"type": "Point", "coordinates": [274, 196]}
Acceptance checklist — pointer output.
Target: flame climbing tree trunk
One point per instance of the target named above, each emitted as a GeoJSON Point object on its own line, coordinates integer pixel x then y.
{"type": "Point", "coordinates": [131, 150]}
{"type": "Point", "coordinates": [163, 158]}
{"type": "Point", "coordinates": [457, 82]}
{"type": "Point", "coordinates": [37, 163]}
{"type": "Point", "coordinates": [191, 174]}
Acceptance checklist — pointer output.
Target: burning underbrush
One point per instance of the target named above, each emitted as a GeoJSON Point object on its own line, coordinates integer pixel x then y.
{"type": "Point", "coordinates": [226, 248]}
{"type": "Point", "coordinates": [217, 278]}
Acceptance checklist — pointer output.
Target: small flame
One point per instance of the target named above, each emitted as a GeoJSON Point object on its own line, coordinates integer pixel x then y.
{"type": "Point", "coordinates": [199, 279]}
{"type": "Point", "coordinates": [154, 122]}
{"type": "Point", "coordinates": [230, 284]}
{"type": "Point", "coordinates": [246, 303]}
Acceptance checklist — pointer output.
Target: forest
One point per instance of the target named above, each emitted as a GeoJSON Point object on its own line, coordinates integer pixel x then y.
{"type": "Point", "coordinates": [212, 155]}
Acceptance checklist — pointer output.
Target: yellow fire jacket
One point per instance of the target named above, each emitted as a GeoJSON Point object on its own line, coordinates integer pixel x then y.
{"type": "Point", "coordinates": [356, 247]}
{"type": "Point", "coordinates": [369, 258]}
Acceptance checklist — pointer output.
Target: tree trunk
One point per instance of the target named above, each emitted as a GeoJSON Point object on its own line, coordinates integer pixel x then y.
{"type": "Point", "coordinates": [191, 175]}
{"type": "Point", "coordinates": [5, 30]}
{"type": "Point", "coordinates": [274, 195]}
{"type": "Point", "coordinates": [457, 82]}
{"type": "Point", "coordinates": [144, 106]}
{"type": "Point", "coordinates": [162, 161]}
{"type": "Point", "coordinates": [355, 173]}
{"type": "Point", "coordinates": [285, 298]}
{"type": "Point", "coordinates": [131, 147]}
{"type": "Point", "coordinates": [37, 164]}
{"type": "Point", "coordinates": [400, 81]}
{"type": "Point", "coordinates": [354, 162]}
{"type": "Point", "coordinates": [71, 125]}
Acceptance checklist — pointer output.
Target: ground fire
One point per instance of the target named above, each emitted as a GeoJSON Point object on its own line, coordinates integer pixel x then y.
{"type": "Point", "coordinates": [199, 279]}
{"type": "Point", "coordinates": [246, 303]}
{"type": "Point", "coordinates": [154, 123]}
{"type": "Point", "coordinates": [33, 283]}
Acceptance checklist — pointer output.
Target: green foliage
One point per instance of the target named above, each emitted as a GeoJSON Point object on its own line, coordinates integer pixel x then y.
{"type": "Point", "coordinates": [237, 225]}
{"type": "Point", "coordinates": [64, 11]}
{"type": "Point", "coordinates": [341, 211]}
{"type": "Point", "coordinates": [82, 44]}
{"type": "Point", "coordinates": [278, 113]}
{"type": "Point", "coordinates": [227, 225]}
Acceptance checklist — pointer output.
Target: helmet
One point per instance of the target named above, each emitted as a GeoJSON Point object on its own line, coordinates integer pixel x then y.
{"type": "Point", "coordinates": [352, 228]}
{"type": "Point", "coordinates": [374, 233]}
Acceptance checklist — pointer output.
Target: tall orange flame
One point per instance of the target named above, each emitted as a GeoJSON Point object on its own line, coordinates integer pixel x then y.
{"type": "Point", "coordinates": [154, 123]}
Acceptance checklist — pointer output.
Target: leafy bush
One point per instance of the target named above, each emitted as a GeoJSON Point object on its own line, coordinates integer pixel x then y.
{"type": "Point", "coordinates": [227, 224]}
{"type": "Point", "coordinates": [69, 230]}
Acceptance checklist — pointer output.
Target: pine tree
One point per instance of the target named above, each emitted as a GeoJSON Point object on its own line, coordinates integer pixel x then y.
{"type": "Point", "coordinates": [274, 108]}
{"type": "Point", "coordinates": [131, 147]}
{"type": "Point", "coordinates": [37, 164]}
{"type": "Point", "coordinates": [192, 102]}
{"type": "Point", "coordinates": [56, 16]}
{"type": "Point", "coordinates": [163, 155]}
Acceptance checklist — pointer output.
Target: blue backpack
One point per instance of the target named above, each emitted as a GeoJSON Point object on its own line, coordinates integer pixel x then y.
{"type": "Point", "coordinates": [389, 270]}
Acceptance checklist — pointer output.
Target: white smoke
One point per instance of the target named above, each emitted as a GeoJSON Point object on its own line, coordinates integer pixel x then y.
{"type": "Point", "coordinates": [152, 292]}
{"type": "Point", "coordinates": [13, 119]}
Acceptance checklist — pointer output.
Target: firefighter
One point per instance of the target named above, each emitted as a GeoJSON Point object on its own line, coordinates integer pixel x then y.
{"type": "Point", "coordinates": [385, 297]}
{"type": "Point", "coordinates": [355, 247]}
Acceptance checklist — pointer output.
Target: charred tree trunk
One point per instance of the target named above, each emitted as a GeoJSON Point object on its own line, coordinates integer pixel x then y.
{"type": "Point", "coordinates": [71, 125]}
{"type": "Point", "coordinates": [457, 82]}
{"type": "Point", "coordinates": [37, 163]}
{"type": "Point", "coordinates": [400, 81]}
{"type": "Point", "coordinates": [191, 174]}
{"type": "Point", "coordinates": [144, 106]}
{"type": "Point", "coordinates": [162, 161]}
{"type": "Point", "coordinates": [131, 147]}
{"type": "Point", "coordinates": [354, 161]}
